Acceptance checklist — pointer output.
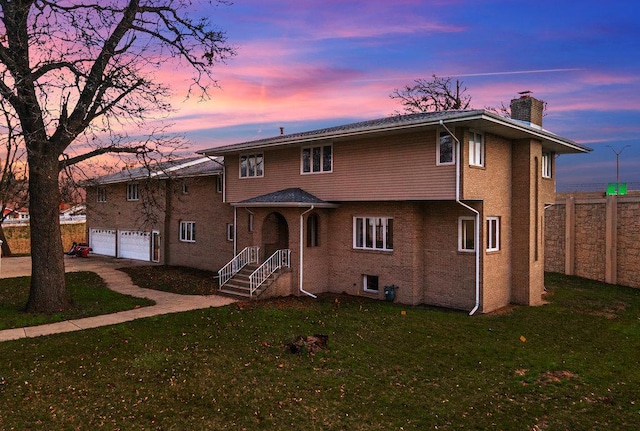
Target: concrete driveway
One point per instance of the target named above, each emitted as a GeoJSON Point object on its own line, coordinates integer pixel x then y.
{"type": "Point", "coordinates": [118, 281]}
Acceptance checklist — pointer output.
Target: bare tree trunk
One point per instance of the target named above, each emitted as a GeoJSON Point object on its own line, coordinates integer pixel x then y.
{"type": "Point", "coordinates": [6, 248]}
{"type": "Point", "coordinates": [48, 292]}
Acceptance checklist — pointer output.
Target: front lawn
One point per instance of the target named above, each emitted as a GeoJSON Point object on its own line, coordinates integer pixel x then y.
{"type": "Point", "coordinates": [569, 365]}
{"type": "Point", "coordinates": [88, 292]}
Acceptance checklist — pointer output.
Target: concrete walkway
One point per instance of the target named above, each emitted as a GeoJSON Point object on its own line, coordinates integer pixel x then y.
{"type": "Point", "coordinates": [117, 281]}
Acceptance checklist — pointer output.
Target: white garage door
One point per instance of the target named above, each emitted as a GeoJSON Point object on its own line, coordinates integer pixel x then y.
{"type": "Point", "coordinates": [103, 241]}
{"type": "Point", "coordinates": [134, 244]}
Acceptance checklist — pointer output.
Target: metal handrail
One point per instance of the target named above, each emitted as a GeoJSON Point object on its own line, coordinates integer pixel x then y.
{"type": "Point", "coordinates": [279, 259]}
{"type": "Point", "coordinates": [246, 256]}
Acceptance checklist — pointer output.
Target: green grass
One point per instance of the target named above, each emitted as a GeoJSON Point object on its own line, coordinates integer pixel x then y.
{"type": "Point", "coordinates": [88, 292]}
{"type": "Point", "coordinates": [571, 364]}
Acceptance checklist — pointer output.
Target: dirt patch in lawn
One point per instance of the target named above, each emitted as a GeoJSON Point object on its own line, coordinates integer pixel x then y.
{"type": "Point", "coordinates": [555, 377]}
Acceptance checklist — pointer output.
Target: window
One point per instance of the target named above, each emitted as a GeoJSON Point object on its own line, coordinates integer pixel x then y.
{"type": "Point", "coordinates": [102, 194]}
{"type": "Point", "coordinates": [250, 227]}
{"type": "Point", "coordinates": [313, 230]}
{"type": "Point", "coordinates": [370, 283]}
{"type": "Point", "coordinates": [132, 192]}
{"type": "Point", "coordinates": [251, 166]}
{"type": "Point", "coordinates": [188, 231]}
{"type": "Point", "coordinates": [317, 159]}
{"type": "Point", "coordinates": [230, 232]}
{"type": "Point", "coordinates": [185, 188]}
{"type": "Point", "coordinates": [493, 233]}
{"type": "Point", "coordinates": [547, 164]}
{"type": "Point", "coordinates": [219, 184]}
{"type": "Point", "coordinates": [373, 233]}
{"type": "Point", "coordinates": [476, 149]}
{"type": "Point", "coordinates": [466, 233]}
{"type": "Point", "coordinates": [444, 150]}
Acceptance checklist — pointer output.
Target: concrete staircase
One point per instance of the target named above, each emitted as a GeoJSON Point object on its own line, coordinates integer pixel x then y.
{"type": "Point", "coordinates": [239, 285]}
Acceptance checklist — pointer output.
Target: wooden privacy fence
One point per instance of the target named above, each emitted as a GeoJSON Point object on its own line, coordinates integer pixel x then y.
{"type": "Point", "coordinates": [19, 236]}
{"type": "Point", "coordinates": [594, 237]}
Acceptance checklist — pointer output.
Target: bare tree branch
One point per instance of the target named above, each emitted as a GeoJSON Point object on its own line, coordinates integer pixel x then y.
{"type": "Point", "coordinates": [438, 94]}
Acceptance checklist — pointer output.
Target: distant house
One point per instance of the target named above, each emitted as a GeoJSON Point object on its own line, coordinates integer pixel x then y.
{"type": "Point", "coordinates": [446, 206]}
{"type": "Point", "coordinates": [19, 215]}
{"type": "Point", "coordinates": [170, 213]}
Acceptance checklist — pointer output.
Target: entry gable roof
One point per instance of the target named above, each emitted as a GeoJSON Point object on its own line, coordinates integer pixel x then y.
{"type": "Point", "coordinates": [481, 120]}
{"type": "Point", "coordinates": [293, 197]}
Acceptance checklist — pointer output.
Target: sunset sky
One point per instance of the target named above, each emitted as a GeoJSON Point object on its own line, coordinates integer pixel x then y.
{"type": "Point", "coordinates": [305, 65]}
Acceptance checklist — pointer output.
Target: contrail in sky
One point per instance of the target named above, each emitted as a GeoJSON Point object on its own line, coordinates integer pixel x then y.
{"type": "Point", "coordinates": [514, 72]}
{"type": "Point", "coordinates": [517, 72]}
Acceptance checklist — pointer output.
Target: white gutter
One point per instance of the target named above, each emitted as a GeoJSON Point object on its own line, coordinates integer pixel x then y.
{"type": "Point", "coordinates": [476, 212]}
{"type": "Point", "coordinates": [302, 252]}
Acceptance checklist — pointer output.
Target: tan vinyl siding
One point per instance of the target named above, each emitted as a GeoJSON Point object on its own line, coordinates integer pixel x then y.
{"type": "Point", "coordinates": [401, 167]}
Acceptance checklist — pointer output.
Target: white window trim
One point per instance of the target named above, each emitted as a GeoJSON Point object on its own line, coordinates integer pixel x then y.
{"type": "Point", "coordinates": [365, 283]}
{"type": "Point", "coordinates": [547, 165]}
{"type": "Point", "coordinates": [311, 171]}
{"type": "Point", "coordinates": [473, 151]}
{"type": "Point", "coordinates": [253, 156]}
{"type": "Point", "coordinates": [185, 188]}
{"type": "Point", "coordinates": [461, 242]}
{"type": "Point", "coordinates": [219, 183]}
{"type": "Point", "coordinates": [133, 192]}
{"type": "Point", "coordinates": [101, 194]}
{"type": "Point", "coordinates": [366, 225]}
{"type": "Point", "coordinates": [453, 149]}
{"type": "Point", "coordinates": [493, 234]}
{"type": "Point", "coordinates": [230, 231]}
{"type": "Point", "coordinates": [187, 231]}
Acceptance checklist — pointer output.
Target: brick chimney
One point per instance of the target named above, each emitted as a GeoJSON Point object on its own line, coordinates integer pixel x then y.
{"type": "Point", "coordinates": [527, 108]}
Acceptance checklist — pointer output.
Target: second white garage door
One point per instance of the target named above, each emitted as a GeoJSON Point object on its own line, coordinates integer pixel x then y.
{"type": "Point", "coordinates": [134, 245]}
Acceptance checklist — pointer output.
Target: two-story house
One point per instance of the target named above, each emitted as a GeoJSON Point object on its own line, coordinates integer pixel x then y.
{"type": "Point", "coordinates": [171, 213]}
{"type": "Point", "coordinates": [447, 206]}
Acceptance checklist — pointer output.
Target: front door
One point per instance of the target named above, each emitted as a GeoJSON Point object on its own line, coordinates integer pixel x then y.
{"type": "Point", "coordinates": [275, 234]}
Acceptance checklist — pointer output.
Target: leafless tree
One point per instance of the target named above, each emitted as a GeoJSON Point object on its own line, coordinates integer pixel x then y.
{"type": "Point", "coordinates": [13, 183]}
{"type": "Point", "coordinates": [437, 94]}
{"type": "Point", "coordinates": [74, 74]}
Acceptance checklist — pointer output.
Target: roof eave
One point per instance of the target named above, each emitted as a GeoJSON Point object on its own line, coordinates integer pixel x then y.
{"type": "Point", "coordinates": [559, 143]}
{"type": "Point", "coordinates": [283, 205]}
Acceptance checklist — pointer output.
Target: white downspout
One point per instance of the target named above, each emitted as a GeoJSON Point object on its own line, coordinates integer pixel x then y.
{"type": "Point", "coordinates": [235, 231]}
{"type": "Point", "coordinates": [302, 252]}
{"type": "Point", "coordinates": [476, 212]}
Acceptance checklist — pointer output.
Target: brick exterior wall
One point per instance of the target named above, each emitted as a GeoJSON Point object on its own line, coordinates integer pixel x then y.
{"type": "Point", "coordinates": [424, 263]}
{"type": "Point", "coordinates": [595, 237]}
{"type": "Point", "coordinates": [201, 204]}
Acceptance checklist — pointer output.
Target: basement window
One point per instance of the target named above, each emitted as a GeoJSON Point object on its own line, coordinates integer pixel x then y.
{"type": "Point", "coordinates": [370, 283]}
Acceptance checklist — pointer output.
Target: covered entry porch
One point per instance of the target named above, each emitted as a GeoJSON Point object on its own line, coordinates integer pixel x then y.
{"type": "Point", "coordinates": [272, 244]}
